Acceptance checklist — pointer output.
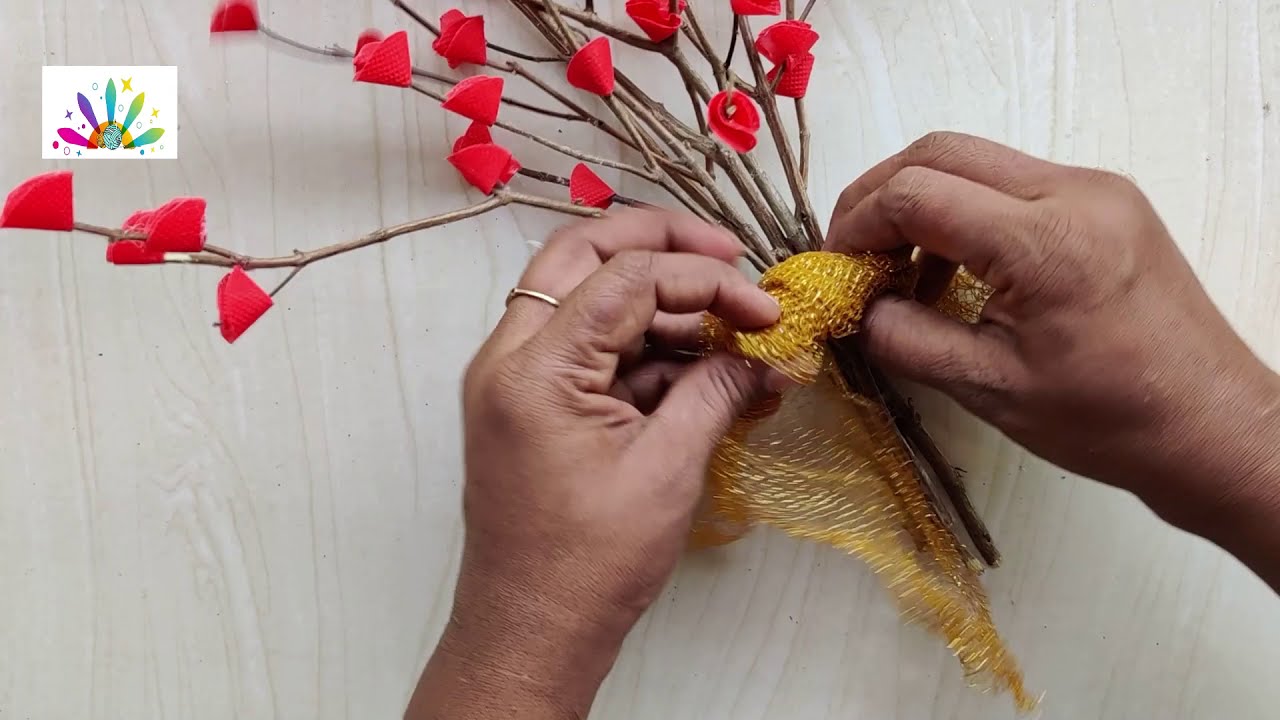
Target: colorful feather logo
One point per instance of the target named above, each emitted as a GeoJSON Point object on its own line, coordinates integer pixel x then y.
{"type": "Point", "coordinates": [110, 134]}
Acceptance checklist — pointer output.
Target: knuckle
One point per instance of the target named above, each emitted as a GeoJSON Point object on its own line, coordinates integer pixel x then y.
{"type": "Point", "coordinates": [932, 144]}
{"type": "Point", "coordinates": [905, 194]}
{"type": "Point", "coordinates": [628, 274]}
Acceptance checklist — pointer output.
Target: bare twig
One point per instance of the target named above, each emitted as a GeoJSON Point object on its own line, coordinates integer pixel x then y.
{"type": "Point", "coordinates": [807, 9]}
{"type": "Point", "coordinates": [431, 28]}
{"type": "Point", "coordinates": [292, 274]}
{"type": "Point", "coordinates": [563, 181]}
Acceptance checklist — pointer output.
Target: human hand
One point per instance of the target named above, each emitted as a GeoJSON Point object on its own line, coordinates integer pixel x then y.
{"type": "Point", "coordinates": [586, 456]}
{"type": "Point", "coordinates": [1099, 350]}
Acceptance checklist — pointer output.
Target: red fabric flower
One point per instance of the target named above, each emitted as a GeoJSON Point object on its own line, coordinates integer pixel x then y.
{"type": "Point", "coordinates": [756, 7]}
{"type": "Point", "coordinates": [586, 188]}
{"type": "Point", "coordinates": [137, 222]}
{"type": "Point", "coordinates": [477, 134]}
{"type": "Point", "coordinates": [796, 70]}
{"type": "Point", "coordinates": [234, 16]}
{"type": "Point", "coordinates": [132, 252]}
{"type": "Point", "coordinates": [177, 226]}
{"type": "Point", "coordinates": [461, 39]}
{"type": "Point", "coordinates": [655, 17]}
{"type": "Point", "coordinates": [735, 119]}
{"type": "Point", "coordinates": [240, 303]}
{"type": "Point", "coordinates": [476, 98]}
{"type": "Point", "coordinates": [367, 36]}
{"type": "Point", "coordinates": [591, 68]}
{"type": "Point", "coordinates": [787, 44]}
{"type": "Point", "coordinates": [385, 62]}
{"type": "Point", "coordinates": [42, 202]}
{"type": "Point", "coordinates": [485, 166]}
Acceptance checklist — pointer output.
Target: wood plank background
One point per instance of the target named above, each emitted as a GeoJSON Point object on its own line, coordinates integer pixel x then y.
{"type": "Point", "coordinates": [270, 530]}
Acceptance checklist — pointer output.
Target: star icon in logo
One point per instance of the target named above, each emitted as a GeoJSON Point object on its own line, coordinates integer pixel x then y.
{"type": "Point", "coordinates": [77, 153]}
{"type": "Point", "coordinates": [125, 82]}
{"type": "Point", "coordinates": [155, 112]}
{"type": "Point", "coordinates": [68, 114]}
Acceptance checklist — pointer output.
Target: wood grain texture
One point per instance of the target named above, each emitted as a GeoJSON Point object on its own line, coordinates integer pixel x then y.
{"type": "Point", "coordinates": [271, 530]}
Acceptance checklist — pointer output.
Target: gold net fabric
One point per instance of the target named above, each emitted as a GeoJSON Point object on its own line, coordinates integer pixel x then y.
{"type": "Point", "coordinates": [822, 462]}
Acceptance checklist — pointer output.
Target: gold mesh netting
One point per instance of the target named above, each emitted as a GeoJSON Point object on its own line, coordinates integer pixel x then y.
{"type": "Point", "coordinates": [824, 463]}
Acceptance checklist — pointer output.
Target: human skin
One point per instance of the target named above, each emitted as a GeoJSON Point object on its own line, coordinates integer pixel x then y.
{"type": "Point", "coordinates": [586, 447]}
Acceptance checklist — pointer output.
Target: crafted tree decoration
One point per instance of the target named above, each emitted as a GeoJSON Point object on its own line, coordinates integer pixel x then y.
{"type": "Point", "coordinates": [843, 459]}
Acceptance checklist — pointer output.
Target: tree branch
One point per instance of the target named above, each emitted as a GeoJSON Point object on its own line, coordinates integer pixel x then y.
{"type": "Point", "coordinates": [799, 191]}
{"type": "Point", "coordinates": [431, 28]}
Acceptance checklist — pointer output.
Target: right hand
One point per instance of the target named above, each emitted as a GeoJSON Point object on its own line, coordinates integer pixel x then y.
{"type": "Point", "coordinates": [1099, 350]}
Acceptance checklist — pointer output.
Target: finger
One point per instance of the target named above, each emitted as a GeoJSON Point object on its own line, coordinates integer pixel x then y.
{"type": "Point", "coordinates": [645, 385]}
{"type": "Point", "coordinates": [935, 275]}
{"type": "Point", "coordinates": [973, 158]}
{"type": "Point", "coordinates": [576, 250]}
{"type": "Point", "coordinates": [616, 305]}
{"type": "Point", "coordinates": [700, 408]}
{"type": "Point", "coordinates": [962, 221]}
{"type": "Point", "coordinates": [920, 344]}
{"type": "Point", "coordinates": [676, 331]}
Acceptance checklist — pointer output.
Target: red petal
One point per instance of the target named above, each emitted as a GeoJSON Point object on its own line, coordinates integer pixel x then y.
{"type": "Point", "coordinates": [655, 18]}
{"type": "Point", "coordinates": [591, 68]}
{"type": "Point", "coordinates": [795, 76]}
{"type": "Point", "coordinates": [137, 222]}
{"type": "Point", "coordinates": [132, 252]}
{"type": "Point", "coordinates": [788, 37]}
{"type": "Point", "coordinates": [477, 134]}
{"type": "Point", "coordinates": [477, 98]}
{"type": "Point", "coordinates": [737, 130]}
{"type": "Point", "coordinates": [366, 37]}
{"type": "Point", "coordinates": [461, 39]}
{"type": "Point", "coordinates": [177, 226]}
{"type": "Point", "coordinates": [240, 303]}
{"type": "Point", "coordinates": [386, 61]}
{"type": "Point", "coordinates": [485, 166]}
{"type": "Point", "coordinates": [234, 16]}
{"type": "Point", "coordinates": [756, 7]}
{"type": "Point", "coordinates": [42, 202]}
{"type": "Point", "coordinates": [586, 188]}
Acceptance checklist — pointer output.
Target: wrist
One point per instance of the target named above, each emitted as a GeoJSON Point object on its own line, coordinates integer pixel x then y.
{"type": "Point", "coordinates": [510, 652]}
{"type": "Point", "coordinates": [1224, 482]}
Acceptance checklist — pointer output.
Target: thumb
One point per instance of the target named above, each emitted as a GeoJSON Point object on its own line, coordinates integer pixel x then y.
{"type": "Point", "coordinates": [702, 405]}
{"type": "Point", "coordinates": [921, 344]}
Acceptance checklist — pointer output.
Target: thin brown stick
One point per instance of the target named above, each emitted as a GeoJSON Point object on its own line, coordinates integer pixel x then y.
{"type": "Point", "coordinates": [799, 191]}
{"type": "Point", "coordinates": [519, 70]}
{"type": "Point", "coordinates": [593, 21]}
{"type": "Point", "coordinates": [292, 274]}
{"type": "Point", "coordinates": [802, 126]}
{"type": "Point", "coordinates": [111, 234]}
{"type": "Point", "coordinates": [431, 28]}
{"type": "Point", "coordinates": [335, 51]}
{"type": "Point", "coordinates": [807, 9]}
{"type": "Point", "coordinates": [563, 181]}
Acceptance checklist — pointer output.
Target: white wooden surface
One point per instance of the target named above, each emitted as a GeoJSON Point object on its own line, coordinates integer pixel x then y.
{"type": "Point", "coordinates": [194, 530]}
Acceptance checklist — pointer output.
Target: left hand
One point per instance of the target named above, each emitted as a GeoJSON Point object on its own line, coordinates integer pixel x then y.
{"type": "Point", "coordinates": [586, 455]}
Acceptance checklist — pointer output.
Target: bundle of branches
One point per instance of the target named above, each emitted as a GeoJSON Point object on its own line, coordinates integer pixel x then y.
{"type": "Point", "coordinates": [882, 505]}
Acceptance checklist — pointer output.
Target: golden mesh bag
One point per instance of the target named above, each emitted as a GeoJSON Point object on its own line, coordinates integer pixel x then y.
{"type": "Point", "coordinates": [824, 463]}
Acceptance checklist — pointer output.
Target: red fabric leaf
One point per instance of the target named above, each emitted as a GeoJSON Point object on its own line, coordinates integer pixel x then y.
{"type": "Point", "coordinates": [234, 16]}
{"type": "Point", "coordinates": [485, 166]}
{"type": "Point", "coordinates": [385, 62]}
{"type": "Point", "coordinates": [735, 119]}
{"type": "Point", "coordinates": [137, 222]}
{"type": "Point", "coordinates": [369, 35]}
{"type": "Point", "coordinates": [586, 188]}
{"type": "Point", "coordinates": [240, 303]}
{"type": "Point", "coordinates": [132, 252]}
{"type": "Point", "coordinates": [42, 202]}
{"type": "Point", "coordinates": [461, 39]}
{"type": "Point", "coordinates": [177, 226]}
{"type": "Point", "coordinates": [591, 68]}
{"type": "Point", "coordinates": [756, 7]}
{"type": "Point", "coordinates": [476, 98]}
{"type": "Point", "coordinates": [655, 18]}
{"type": "Point", "coordinates": [788, 37]}
{"type": "Point", "coordinates": [796, 70]}
{"type": "Point", "coordinates": [477, 134]}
